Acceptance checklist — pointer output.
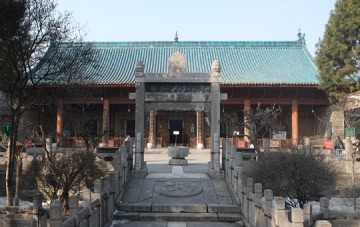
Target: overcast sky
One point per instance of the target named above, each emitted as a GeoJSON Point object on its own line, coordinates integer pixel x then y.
{"type": "Point", "coordinates": [201, 20]}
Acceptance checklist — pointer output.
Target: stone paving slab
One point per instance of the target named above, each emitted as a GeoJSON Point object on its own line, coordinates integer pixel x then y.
{"type": "Point", "coordinates": [179, 217]}
{"type": "Point", "coordinates": [178, 208]}
{"type": "Point", "coordinates": [224, 208]}
{"type": "Point", "coordinates": [175, 224]}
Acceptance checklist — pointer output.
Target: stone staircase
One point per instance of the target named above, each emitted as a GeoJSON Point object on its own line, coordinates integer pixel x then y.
{"type": "Point", "coordinates": [177, 197]}
{"type": "Point", "coordinates": [178, 212]}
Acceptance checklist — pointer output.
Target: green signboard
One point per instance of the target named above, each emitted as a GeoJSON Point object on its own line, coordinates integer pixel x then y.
{"type": "Point", "coordinates": [353, 132]}
{"type": "Point", "coordinates": [6, 129]}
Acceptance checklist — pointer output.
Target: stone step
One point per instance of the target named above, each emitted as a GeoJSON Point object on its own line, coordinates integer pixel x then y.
{"type": "Point", "coordinates": [177, 217]}
{"type": "Point", "coordinates": [178, 208]}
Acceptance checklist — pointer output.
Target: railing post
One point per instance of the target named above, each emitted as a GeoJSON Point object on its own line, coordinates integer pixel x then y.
{"type": "Point", "coordinates": [269, 196]}
{"type": "Point", "coordinates": [297, 217]}
{"type": "Point", "coordinates": [307, 214]}
{"type": "Point", "coordinates": [279, 211]}
{"type": "Point", "coordinates": [37, 206]}
{"type": "Point", "coordinates": [324, 207]}
{"type": "Point", "coordinates": [55, 214]}
{"type": "Point", "coordinates": [74, 207]}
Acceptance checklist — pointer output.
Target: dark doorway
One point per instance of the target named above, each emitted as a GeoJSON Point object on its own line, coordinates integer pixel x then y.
{"type": "Point", "coordinates": [92, 127]}
{"type": "Point", "coordinates": [130, 128]}
{"type": "Point", "coordinates": [176, 132]}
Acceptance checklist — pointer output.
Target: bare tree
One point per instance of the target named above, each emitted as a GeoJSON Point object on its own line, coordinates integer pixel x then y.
{"type": "Point", "coordinates": [40, 48]}
{"type": "Point", "coordinates": [298, 174]}
{"type": "Point", "coordinates": [61, 174]}
{"type": "Point", "coordinates": [261, 121]}
{"type": "Point", "coordinates": [57, 175]}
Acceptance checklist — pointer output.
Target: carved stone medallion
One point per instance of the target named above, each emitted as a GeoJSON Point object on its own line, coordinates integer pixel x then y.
{"type": "Point", "coordinates": [178, 188]}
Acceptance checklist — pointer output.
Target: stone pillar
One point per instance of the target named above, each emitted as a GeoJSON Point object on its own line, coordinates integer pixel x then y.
{"type": "Point", "coordinates": [200, 129]}
{"type": "Point", "coordinates": [246, 130]}
{"type": "Point", "coordinates": [216, 145]}
{"type": "Point", "coordinates": [215, 113]}
{"type": "Point", "coordinates": [269, 196]}
{"type": "Point", "coordinates": [86, 196]}
{"type": "Point", "coordinates": [324, 207]}
{"type": "Point", "coordinates": [279, 214]}
{"type": "Point", "coordinates": [295, 122]}
{"type": "Point", "coordinates": [139, 116]}
{"type": "Point", "coordinates": [74, 207]}
{"type": "Point", "coordinates": [249, 186]}
{"type": "Point", "coordinates": [258, 190]}
{"type": "Point", "coordinates": [307, 214]}
{"type": "Point", "coordinates": [59, 120]}
{"type": "Point", "coordinates": [225, 152]}
{"type": "Point", "coordinates": [129, 151]}
{"type": "Point", "coordinates": [297, 217]}
{"type": "Point", "coordinates": [152, 120]}
{"type": "Point", "coordinates": [105, 122]}
{"type": "Point", "coordinates": [140, 165]}
{"type": "Point", "coordinates": [37, 206]}
{"type": "Point", "coordinates": [55, 214]}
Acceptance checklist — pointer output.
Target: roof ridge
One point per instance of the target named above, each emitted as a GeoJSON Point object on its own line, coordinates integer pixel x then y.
{"type": "Point", "coordinates": [197, 44]}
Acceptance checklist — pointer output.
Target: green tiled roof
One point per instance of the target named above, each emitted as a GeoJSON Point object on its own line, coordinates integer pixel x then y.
{"type": "Point", "coordinates": [242, 63]}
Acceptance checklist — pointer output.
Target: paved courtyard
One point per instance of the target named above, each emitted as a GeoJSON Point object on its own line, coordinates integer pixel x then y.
{"type": "Point", "coordinates": [179, 190]}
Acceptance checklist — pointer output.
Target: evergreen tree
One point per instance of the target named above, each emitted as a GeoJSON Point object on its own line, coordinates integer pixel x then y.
{"type": "Point", "coordinates": [338, 54]}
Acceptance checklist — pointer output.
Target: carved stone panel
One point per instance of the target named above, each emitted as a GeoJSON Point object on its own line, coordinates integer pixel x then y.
{"type": "Point", "coordinates": [171, 106]}
{"type": "Point", "coordinates": [177, 97]}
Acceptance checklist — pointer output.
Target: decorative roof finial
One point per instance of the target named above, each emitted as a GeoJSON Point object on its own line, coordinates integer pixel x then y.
{"type": "Point", "coordinates": [176, 39]}
{"type": "Point", "coordinates": [299, 33]}
{"type": "Point", "coordinates": [301, 37]}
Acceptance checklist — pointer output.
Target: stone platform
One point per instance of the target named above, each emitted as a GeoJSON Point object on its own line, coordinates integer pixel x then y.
{"type": "Point", "coordinates": [178, 194]}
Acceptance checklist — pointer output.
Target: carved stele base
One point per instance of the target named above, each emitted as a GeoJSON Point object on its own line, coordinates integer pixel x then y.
{"type": "Point", "coordinates": [139, 173]}
{"type": "Point", "coordinates": [178, 162]}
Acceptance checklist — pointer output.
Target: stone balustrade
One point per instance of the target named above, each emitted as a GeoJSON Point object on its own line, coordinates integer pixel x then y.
{"type": "Point", "coordinates": [260, 208]}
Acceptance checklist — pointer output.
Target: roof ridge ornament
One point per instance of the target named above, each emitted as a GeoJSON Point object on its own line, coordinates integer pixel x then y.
{"type": "Point", "coordinates": [176, 39]}
{"type": "Point", "coordinates": [301, 37]}
{"type": "Point", "coordinates": [177, 64]}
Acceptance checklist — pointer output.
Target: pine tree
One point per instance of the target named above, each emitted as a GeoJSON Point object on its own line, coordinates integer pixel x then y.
{"type": "Point", "coordinates": [338, 54]}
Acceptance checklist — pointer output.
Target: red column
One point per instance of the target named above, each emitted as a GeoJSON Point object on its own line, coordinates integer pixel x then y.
{"type": "Point", "coordinates": [200, 129]}
{"type": "Point", "coordinates": [295, 122]}
{"type": "Point", "coordinates": [105, 122]}
{"type": "Point", "coordinates": [246, 130]}
{"type": "Point", "coordinates": [59, 120]}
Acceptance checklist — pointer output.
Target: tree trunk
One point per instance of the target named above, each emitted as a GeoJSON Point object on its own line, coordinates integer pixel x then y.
{"type": "Point", "coordinates": [64, 199]}
{"type": "Point", "coordinates": [17, 179]}
{"type": "Point", "coordinates": [9, 174]}
{"type": "Point", "coordinates": [11, 155]}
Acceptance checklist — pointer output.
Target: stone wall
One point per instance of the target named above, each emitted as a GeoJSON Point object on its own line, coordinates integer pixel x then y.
{"type": "Point", "coordinates": [327, 115]}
